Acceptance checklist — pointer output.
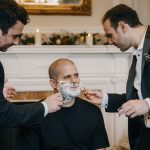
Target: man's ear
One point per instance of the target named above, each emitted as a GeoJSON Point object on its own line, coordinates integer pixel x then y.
{"type": "Point", "coordinates": [53, 83]}
{"type": "Point", "coordinates": [123, 26]}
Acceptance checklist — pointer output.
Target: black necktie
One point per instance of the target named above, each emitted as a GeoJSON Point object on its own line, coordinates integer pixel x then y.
{"type": "Point", "coordinates": [131, 77]}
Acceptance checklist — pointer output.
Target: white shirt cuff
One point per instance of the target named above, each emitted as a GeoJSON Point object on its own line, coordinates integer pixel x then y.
{"type": "Point", "coordinates": [105, 100]}
{"type": "Point", "coordinates": [46, 108]}
{"type": "Point", "coordinates": [148, 101]}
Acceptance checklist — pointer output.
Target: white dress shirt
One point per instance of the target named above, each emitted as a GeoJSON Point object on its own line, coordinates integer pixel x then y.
{"type": "Point", "coordinates": [45, 108]}
{"type": "Point", "coordinates": [137, 80]}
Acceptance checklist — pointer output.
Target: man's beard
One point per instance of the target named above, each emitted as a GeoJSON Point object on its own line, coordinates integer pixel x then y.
{"type": "Point", "coordinates": [5, 48]}
{"type": "Point", "coordinates": [69, 91]}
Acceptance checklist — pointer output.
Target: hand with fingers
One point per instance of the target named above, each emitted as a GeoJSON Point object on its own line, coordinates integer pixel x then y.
{"type": "Point", "coordinates": [94, 96]}
{"type": "Point", "coordinates": [54, 102]}
{"type": "Point", "coordinates": [134, 108]}
{"type": "Point", "coordinates": [9, 92]}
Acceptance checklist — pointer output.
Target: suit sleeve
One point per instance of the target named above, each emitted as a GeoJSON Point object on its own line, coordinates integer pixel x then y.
{"type": "Point", "coordinates": [115, 101]}
{"type": "Point", "coordinates": [12, 115]}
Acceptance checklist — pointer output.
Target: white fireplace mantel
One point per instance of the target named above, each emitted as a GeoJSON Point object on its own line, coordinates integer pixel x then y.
{"type": "Point", "coordinates": [26, 66]}
{"type": "Point", "coordinates": [71, 49]}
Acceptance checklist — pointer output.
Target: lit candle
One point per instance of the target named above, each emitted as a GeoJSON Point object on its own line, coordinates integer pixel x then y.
{"type": "Point", "coordinates": [41, 1]}
{"type": "Point", "coordinates": [89, 40]}
{"type": "Point", "coordinates": [36, 1]}
{"type": "Point", "coordinates": [37, 37]}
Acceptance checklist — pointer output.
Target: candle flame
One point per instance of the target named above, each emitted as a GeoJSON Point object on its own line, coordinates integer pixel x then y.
{"type": "Point", "coordinates": [37, 30]}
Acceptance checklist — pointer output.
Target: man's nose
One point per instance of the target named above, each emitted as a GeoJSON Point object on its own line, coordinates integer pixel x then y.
{"type": "Point", "coordinates": [109, 41]}
{"type": "Point", "coordinates": [73, 79]}
{"type": "Point", "coordinates": [16, 41]}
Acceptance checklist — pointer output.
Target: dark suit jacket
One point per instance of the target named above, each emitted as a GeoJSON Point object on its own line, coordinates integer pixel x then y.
{"type": "Point", "coordinates": [115, 100]}
{"type": "Point", "coordinates": [12, 115]}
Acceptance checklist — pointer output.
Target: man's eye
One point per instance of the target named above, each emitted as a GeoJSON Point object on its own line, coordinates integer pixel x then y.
{"type": "Point", "coordinates": [76, 75]}
{"type": "Point", "coordinates": [67, 77]}
{"type": "Point", "coordinates": [108, 35]}
{"type": "Point", "coordinates": [17, 36]}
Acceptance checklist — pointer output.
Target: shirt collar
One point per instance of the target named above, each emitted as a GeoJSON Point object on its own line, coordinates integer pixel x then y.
{"type": "Point", "coordinates": [140, 47]}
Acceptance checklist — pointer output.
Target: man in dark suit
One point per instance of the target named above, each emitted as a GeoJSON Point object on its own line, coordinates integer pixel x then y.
{"type": "Point", "coordinates": [124, 30]}
{"type": "Point", "coordinates": [12, 20]}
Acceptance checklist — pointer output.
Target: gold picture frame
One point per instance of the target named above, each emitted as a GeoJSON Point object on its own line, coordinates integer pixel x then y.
{"type": "Point", "coordinates": [82, 8]}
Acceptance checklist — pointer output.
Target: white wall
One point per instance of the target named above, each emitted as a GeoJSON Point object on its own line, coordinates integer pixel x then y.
{"type": "Point", "coordinates": [99, 7]}
{"type": "Point", "coordinates": [143, 9]}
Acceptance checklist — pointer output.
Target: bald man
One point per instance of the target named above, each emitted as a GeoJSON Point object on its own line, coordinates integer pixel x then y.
{"type": "Point", "coordinates": [78, 125]}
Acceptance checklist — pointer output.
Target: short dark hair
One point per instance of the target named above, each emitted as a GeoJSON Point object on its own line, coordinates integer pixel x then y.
{"type": "Point", "coordinates": [10, 13]}
{"type": "Point", "coordinates": [123, 13]}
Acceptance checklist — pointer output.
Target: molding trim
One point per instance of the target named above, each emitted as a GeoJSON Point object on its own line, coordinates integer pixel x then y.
{"type": "Point", "coordinates": [69, 49]}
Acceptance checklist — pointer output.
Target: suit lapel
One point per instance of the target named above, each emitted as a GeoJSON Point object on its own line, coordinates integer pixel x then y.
{"type": "Point", "coordinates": [146, 48]}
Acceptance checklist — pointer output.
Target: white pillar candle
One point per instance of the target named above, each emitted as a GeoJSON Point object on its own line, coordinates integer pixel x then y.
{"type": "Point", "coordinates": [41, 1]}
{"type": "Point", "coordinates": [37, 37]}
{"type": "Point", "coordinates": [89, 40]}
{"type": "Point", "coordinates": [36, 1]}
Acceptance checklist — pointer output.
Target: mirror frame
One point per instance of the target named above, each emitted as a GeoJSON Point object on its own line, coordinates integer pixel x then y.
{"type": "Point", "coordinates": [84, 8]}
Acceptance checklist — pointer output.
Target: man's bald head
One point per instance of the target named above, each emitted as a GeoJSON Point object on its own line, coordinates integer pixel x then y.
{"type": "Point", "coordinates": [55, 67]}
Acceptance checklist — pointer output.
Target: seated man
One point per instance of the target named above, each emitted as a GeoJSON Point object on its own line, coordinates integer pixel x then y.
{"type": "Point", "coordinates": [79, 125]}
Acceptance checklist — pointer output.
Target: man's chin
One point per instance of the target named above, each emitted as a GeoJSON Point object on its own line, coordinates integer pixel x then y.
{"type": "Point", "coordinates": [3, 50]}
{"type": "Point", "coordinates": [123, 50]}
